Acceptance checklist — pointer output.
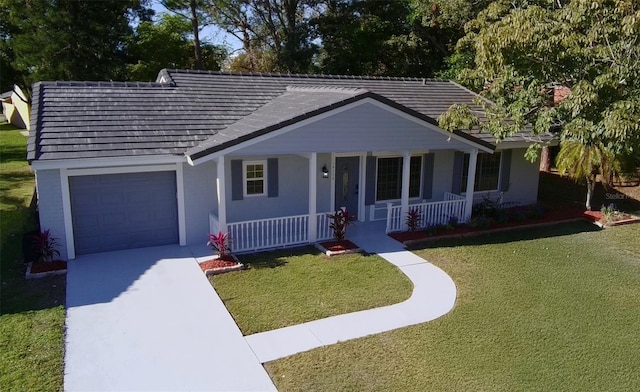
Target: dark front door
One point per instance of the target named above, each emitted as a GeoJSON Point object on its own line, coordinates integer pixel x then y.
{"type": "Point", "coordinates": [347, 184]}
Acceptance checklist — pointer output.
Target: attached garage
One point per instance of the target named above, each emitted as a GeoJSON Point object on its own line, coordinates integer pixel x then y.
{"type": "Point", "coordinates": [123, 211]}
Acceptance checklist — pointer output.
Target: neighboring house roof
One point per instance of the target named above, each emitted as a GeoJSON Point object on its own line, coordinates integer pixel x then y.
{"type": "Point", "coordinates": [196, 112]}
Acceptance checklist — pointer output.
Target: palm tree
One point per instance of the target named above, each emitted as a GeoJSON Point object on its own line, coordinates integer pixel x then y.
{"type": "Point", "coordinates": [583, 161]}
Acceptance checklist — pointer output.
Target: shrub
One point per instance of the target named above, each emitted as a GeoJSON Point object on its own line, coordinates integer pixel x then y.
{"type": "Point", "coordinates": [339, 223]}
{"type": "Point", "coordinates": [44, 246]}
{"type": "Point", "coordinates": [220, 243]}
{"type": "Point", "coordinates": [413, 219]}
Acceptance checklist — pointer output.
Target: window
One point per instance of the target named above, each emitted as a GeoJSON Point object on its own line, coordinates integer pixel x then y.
{"type": "Point", "coordinates": [389, 178]}
{"type": "Point", "coordinates": [487, 172]}
{"type": "Point", "coordinates": [254, 177]}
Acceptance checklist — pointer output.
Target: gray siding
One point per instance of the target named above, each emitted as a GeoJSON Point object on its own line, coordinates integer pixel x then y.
{"type": "Point", "coordinates": [524, 177]}
{"type": "Point", "coordinates": [363, 128]}
{"type": "Point", "coordinates": [200, 198]}
{"type": "Point", "coordinates": [323, 198]}
{"type": "Point", "coordinates": [442, 174]}
{"type": "Point", "coordinates": [50, 206]}
{"type": "Point", "coordinates": [293, 191]}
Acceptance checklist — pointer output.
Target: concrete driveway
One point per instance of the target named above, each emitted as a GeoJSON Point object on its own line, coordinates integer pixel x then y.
{"type": "Point", "coordinates": [147, 319]}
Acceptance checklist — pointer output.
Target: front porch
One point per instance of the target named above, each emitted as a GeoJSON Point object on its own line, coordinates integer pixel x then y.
{"type": "Point", "coordinates": [271, 233]}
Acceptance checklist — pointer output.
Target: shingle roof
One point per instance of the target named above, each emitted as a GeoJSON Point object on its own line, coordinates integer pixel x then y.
{"type": "Point", "coordinates": [196, 111]}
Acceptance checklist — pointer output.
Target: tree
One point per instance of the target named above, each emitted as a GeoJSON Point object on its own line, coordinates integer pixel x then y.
{"type": "Point", "coordinates": [522, 50]}
{"type": "Point", "coordinates": [192, 11]}
{"type": "Point", "coordinates": [280, 27]}
{"type": "Point", "coordinates": [69, 39]}
{"type": "Point", "coordinates": [167, 44]}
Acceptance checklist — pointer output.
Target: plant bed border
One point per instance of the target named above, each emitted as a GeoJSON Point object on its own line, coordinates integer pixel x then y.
{"type": "Point", "coordinates": [324, 248]}
{"type": "Point", "coordinates": [477, 233]}
{"type": "Point", "coordinates": [37, 275]}
{"type": "Point", "coordinates": [221, 270]}
{"type": "Point", "coordinates": [604, 225]}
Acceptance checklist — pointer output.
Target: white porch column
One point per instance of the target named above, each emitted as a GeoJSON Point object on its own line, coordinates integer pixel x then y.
{"type": "Point", "coordinates": [313, 185]}
{"type": "Point", "coordinates": [471, 182]}
{"type": "Point", "coordinates": [406, 172]}
{"type": "Point", "coordinates": [221, 189]}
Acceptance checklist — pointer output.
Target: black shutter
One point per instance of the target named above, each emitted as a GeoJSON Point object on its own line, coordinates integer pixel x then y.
{"type": "Point", "coordinates": [505, 170]}
{"type": "Point", "coordinates": [458, 163]}
{"type": "Point", "coordinates": [427, 176]}
{"type": "Point", "coordinates": [236, 180]}
{"type": "Point", "coordinates": [272, 177]}
{"type": "Point", "coordinates": [370, 195]}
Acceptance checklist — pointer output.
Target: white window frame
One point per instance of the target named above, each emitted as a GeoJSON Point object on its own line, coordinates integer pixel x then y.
{"type": "Point", "coordinates": [419, 197]}
{"type": "Point", "coordinates": [499, 175]}
{"type": "Point", "coordinates": [245, 180]}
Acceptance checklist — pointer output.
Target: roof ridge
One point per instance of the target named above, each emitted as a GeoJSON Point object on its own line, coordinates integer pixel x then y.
{"type": "Point", "coordinates": [74, 83]}
{"type": "Point", "coordinates": [333, 89]}
{"type": "Point", "coordinates": [308, 76]}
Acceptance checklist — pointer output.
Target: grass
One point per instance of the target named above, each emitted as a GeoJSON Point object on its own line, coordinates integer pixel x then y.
{"type": "Point", "coordinates": [551, 309]}
{"type": "Point", "coordinates": [31, 312]}
{"type": "Point", "coordinates": [289, 287]}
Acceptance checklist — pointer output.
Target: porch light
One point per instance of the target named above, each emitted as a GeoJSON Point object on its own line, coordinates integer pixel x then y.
{"type": "Point", "coordinates": [325, 172]}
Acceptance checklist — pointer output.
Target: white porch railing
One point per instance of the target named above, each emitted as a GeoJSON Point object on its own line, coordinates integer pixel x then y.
{"type": "Point", "coordinates": [273, 232]}
{"type": "Point", "coordinates": [433, 213]}
{"type": "Point", "coordinates": [452, 196]}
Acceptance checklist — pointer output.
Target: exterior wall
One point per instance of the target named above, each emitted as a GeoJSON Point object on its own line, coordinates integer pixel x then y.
{"type": "Point", "coordinates": [200, 198]}
{"type": "Point", "coordinates": [364, 128]}
{"type": "Point", "coordinates": [442, 174]}
{"type": "Point", "coordinates": [50, 206]}
{"type": "Point", "coordinates": [523, 179]}
{"type": "Point", "coordinates": [323, 198]}
{"type": "Point", "coordinates": [293, 191]}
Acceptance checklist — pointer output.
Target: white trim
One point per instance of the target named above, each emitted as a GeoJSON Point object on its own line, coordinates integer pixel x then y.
{"type": "Point", "coordinates": [406, 176]}
{"type": "Point", "coordinates": [120, 170]}
{"type": "Point", "coordinates": [471, 178]}
{"type": "Point", "coordinates": [66, 211]}
{"type": "Point", "coordinates": [182, 223]}
{"type": "Point", "coordinates": [332, 176]}
{"type": "Point", "coordinates": [313, 189]}
{"type": "Point", "coordinates": [106, 162]}
{"type": "Point", "coordinates": [334, 112]}
{"type": "Point", "coordinates": [222, 195]}
{"type": "Point", "coordinates": [245, 179]}
{"type": "Point", "coordinates": [362, 188]}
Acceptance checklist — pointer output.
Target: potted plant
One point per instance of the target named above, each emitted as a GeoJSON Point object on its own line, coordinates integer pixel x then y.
{"type": "Point", "coordinates": [225, 261]}
{"type": "Point", "coordinates": [44, 251]}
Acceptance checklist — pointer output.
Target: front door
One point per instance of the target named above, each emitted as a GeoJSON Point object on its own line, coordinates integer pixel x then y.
{"type": "Point", "coordinates": [347, 184]}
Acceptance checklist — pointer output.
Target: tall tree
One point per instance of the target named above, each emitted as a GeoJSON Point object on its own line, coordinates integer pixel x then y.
{"type": "Point", "coordinates": [279, 27]}
{"type": "Point", "coordinates": [194, 12]}
{"type": "Point", "coordinates": [168, 44]}
{"type": "Point", "coordinates": [522, 50]}
{"type": "Point", "coordinates": [70, 39]}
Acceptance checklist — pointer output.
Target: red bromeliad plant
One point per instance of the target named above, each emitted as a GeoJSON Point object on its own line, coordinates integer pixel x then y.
{"type": "Point", "coordinates": [44, 246]}
{"type": "Point", "coordinates": [413, 219]}
{"type": "Point", "coordinates": [220, 243]}
{"type": "Point", "coordinates": [339, 222]}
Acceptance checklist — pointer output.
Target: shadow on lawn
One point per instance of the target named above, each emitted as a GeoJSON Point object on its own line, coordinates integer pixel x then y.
{"type": "Point", "coordinates": [518, 234]}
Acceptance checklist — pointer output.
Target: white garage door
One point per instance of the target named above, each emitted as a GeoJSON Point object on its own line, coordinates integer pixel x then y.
{"type": "Point", "coordinates": [123, 211]}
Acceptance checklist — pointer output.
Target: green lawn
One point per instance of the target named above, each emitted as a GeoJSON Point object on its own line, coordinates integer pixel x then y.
{"type": "Point", "coordinates": [31, 312]}
{"type": "Point", "coordinates": [289, 287]}
{"type": "Point", "coordinates": [553, 309]}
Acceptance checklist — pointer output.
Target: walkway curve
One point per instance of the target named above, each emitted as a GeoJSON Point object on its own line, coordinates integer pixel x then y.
{"type": "Point", "coordinates": [434, 295]}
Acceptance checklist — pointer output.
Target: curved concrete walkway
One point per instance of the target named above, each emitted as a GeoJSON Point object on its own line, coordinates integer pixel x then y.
{"type": "Point", "coordinates": [434, 294]}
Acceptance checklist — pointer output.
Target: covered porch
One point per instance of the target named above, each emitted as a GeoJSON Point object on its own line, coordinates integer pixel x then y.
{"type": "Point", "coordinates": [337, 179]}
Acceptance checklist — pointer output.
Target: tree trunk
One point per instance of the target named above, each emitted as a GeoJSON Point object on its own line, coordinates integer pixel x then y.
{"type": "Point", "coordinates": [591, 185]}
{"type": "Point", "coordinates": [196, 34]}
{"type": "Point", "coordinates": [545, 159]}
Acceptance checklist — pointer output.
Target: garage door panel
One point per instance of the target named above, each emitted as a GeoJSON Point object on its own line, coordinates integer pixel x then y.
{"type": "Point", "coordinates": [122, 211]}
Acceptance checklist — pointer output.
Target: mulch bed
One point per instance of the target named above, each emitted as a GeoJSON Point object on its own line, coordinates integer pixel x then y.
{"type": "Point", "coordinates": [555, 213]}
{"type": "Point", "coordinates": [218, 263]}
{"type": "Point", "coordinates": [337, 246]}
{"type": "Point", "coordinates": [55, 265]}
